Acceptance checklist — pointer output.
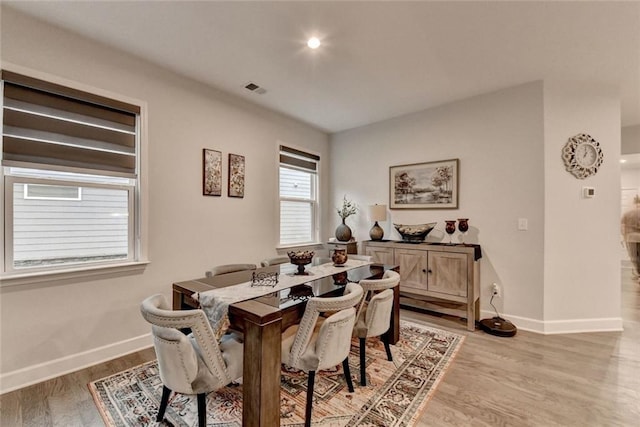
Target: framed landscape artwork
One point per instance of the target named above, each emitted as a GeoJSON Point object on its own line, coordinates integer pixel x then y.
{"type": "Point", "coordinates": [211, 172]}
{"type": "Point", "coordinates": [236, 175]}
{"type": "Point", "coordinates": [431, 185]}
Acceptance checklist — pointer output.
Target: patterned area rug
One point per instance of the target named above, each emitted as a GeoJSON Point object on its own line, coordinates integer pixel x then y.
{"type": "Point", "coordinates": [395, 394]}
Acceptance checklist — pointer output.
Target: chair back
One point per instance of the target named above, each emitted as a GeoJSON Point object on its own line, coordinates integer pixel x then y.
{"type": "Point", "coordinates": [333, 341]}
{"type": "Point", "coordinates": [180, 359]}
{"type": "Point", "coordinates": [377, 315]}
{"type": "Point", "coordinates": [229, 268]}
{"type": "Point", "coordinates": [274, 261]}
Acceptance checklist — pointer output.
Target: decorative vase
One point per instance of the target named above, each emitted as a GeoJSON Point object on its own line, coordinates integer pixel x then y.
{"type": "Point", "coordinates": [450, 228]}
{"type": "Point", "coordinates": [343, 232]}
{"type": "Point", "coordinates": [339, 257]}
{"type": "Point", "coordinates": [463, 226]}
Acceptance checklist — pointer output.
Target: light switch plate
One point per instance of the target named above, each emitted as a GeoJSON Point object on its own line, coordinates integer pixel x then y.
{"type": "Point", "coordinates": [523, 224]}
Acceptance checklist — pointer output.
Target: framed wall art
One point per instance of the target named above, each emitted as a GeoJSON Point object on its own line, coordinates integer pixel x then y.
{"type": "Point", "coordinates": [236, 175]}
{"type": "Point", "coordinates": [430, 185]}
{"type": "Point", "coordinates": [211, 172]}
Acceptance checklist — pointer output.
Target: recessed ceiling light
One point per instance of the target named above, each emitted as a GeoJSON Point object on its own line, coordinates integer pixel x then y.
{"type": "Point", "coordinates": [313, 42]}
{"type": "Point", "coordinates": [623, 160]}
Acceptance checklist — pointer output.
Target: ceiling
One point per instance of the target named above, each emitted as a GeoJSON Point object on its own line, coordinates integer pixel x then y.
{"type": "Point", "coordinates": [378, 59]}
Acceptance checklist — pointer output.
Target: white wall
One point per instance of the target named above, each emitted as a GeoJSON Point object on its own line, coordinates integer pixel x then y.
{"type": "Point", "coordinates": [499, 140]}
{"type": "Point", "coordinates": [630, 178]}
{"type": "Point", "coordinates": [563, 274]}
{"type": "Point", "coordinates": [51, 327]}
{"type": "Point", "coordinates": [582, 264]}
{"type": "Point", "coordinates": [631, 139]}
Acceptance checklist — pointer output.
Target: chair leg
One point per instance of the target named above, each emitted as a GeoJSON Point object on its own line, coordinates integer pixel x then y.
{"type": "Point", "coordinates": [363, 362]}
{"type": "Point", "coordinates": [385, 341]}
{"type": "Point", "coordinates": [163, 403]}
{"type": "Point", "coordinates": [307, 414]}
{"type": "Point", "coordinates": [202, 409]}
{"type": "Point", "coordinates": [347, 374]}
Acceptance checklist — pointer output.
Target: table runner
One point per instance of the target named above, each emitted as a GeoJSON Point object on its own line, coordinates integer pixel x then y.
{"type": "Point", "coordinates": [215, 302]}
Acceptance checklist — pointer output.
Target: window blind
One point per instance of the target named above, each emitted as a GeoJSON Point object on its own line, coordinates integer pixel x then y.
{"type": "Point", "coordinates": [299, 159]}
{"type": "Point", "coordinates": [46, 124]}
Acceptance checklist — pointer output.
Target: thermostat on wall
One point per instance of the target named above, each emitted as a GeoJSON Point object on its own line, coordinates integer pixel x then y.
{"type": "Point", "coordinates": [588, 192]}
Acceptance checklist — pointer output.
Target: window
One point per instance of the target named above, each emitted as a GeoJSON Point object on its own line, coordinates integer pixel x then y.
{"type": "Point", "coordinates": [71, 177]}
{"type": "Point", "coordinates": [298, 197]}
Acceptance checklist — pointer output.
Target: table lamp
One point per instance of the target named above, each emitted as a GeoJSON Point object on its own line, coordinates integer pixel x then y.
{"type": "Point", "coordinates": [377, 213]}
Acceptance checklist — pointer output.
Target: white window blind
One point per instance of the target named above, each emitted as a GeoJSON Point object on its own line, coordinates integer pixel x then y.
{"type": "Point", "coordinates": [298, 196]}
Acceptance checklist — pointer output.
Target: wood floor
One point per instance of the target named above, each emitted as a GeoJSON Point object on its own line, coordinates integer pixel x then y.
{"type": "Point", "coordinates": [590, 379]}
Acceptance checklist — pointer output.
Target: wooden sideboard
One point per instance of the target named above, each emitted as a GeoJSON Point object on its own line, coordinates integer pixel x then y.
{"type": "Point", "coordinates": [436, 277]}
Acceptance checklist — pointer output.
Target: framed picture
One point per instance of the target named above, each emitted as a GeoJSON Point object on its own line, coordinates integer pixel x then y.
{"type": "Point", "coordinates": [211, 172]}
{"type": "Point", "coordinates": [236, 175]}
{"type": "Point", "coordinates": [431, 185]}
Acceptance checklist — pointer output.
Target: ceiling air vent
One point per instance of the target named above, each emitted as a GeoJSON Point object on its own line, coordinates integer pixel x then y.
{"type": "Point", "coordinates": [255, 88]}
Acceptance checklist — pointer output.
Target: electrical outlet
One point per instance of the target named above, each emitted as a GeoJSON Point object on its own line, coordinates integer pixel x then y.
{"type": "Point", "coordinates": [495, 290]}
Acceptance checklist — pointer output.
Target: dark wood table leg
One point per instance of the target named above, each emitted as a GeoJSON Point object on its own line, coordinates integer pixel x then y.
{"type": "Point", "coordinates": [177, 299]}
{"type": "Point", "coordinates": [393, 335]}
{"type": "Point", "coordinates": [261, 372]}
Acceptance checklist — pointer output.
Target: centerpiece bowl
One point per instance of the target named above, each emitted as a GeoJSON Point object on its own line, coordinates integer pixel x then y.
{"type": "Point", "coordinates": [414, 233]}
{"type": "Point", "coordinates": [300, 258]}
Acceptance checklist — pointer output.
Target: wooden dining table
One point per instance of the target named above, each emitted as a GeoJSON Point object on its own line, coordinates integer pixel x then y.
{"type": "Point", "coordinates": [263, 319]}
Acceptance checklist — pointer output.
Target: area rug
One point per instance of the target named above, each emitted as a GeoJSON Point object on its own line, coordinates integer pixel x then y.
{"type": "Point", "coordinates": [395, 394]}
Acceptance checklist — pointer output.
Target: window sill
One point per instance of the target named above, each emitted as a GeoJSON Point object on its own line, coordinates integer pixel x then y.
{"type": "Point", "coordinates": [29, 278]}
{"type": "Point", "coordinates": [316, 245]}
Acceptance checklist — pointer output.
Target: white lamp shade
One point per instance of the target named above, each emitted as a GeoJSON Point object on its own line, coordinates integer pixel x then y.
{"type": "Point", "coordinates": [378, 212]}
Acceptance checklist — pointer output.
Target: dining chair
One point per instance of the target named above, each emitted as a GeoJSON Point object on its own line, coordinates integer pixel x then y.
{"type": "Point", "coordinates": [229, 268]}
{"type": "Point", "coordinates": [374, 315]}
{"type": "Point", "coordinates": [274, 261]}
{"type": "Point", "coordinates": [190, 364]}
{"type": "Point", "coordinates": [320, 343]}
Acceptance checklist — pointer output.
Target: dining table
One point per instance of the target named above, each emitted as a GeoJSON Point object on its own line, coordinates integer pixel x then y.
{"type": "Point", "coordinates": [262, 320]}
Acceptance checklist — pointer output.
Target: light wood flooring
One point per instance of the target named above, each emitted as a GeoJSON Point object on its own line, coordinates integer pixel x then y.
{"type": "Point", "coordinates": [590, 379]}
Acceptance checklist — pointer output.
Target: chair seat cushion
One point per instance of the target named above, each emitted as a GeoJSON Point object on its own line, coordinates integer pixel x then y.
{"type": "Point", "coordinates": [232, 348]}
{"type": "Point", "coordinates": [360, 329]}
{"type": "Point", "coordinates": [289, 335]}
{"type": "Point", "coordinates": [205, 381]}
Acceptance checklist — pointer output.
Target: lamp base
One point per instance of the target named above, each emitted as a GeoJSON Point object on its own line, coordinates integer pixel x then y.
{"type": "Point", "coordinates": [376, 232]}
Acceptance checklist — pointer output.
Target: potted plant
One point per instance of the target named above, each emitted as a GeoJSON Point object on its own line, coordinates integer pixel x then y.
{"type": "Point", "coordinates": [343, 232]}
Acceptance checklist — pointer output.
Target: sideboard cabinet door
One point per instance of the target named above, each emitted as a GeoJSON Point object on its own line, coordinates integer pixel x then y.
{"type": "Point", "coordinates": [447, 273]}
{"type": "Point", "coordinates": [413, 270]}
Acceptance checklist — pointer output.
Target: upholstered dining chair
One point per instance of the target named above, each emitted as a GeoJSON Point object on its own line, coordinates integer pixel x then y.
{"type": "Point", "coordinates": [274, 261]}
{"type": "Point", "coordinates": [374, 315]}
{"type": "Point", "coordinates": [229, 268]}
{"type": "Point", "coordinates": [190, 364]}
{"type": "Point", "coordinates": [320, 343]}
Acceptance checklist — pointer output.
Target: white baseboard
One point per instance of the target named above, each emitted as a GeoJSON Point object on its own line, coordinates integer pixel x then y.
{"type": "Point", "coordinates": [571, 326]}
{"type": "Point", "coordinates": [34, 374]}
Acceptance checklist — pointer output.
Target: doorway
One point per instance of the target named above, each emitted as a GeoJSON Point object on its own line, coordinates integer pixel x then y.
{"type": "Point", "coordinates": [630, 187]}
